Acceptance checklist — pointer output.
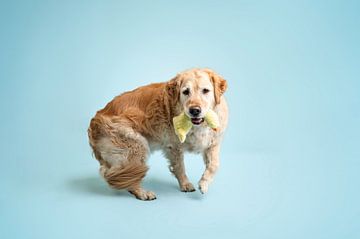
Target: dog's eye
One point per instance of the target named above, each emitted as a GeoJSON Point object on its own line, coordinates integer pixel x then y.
{"type": "Point", "coordinates": [186, 92]}
{"type": "Point", "coordinates": [205, 91]}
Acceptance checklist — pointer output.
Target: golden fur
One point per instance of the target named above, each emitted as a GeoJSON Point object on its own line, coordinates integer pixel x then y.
{"type": "Point", "coordinates": [139, 121]}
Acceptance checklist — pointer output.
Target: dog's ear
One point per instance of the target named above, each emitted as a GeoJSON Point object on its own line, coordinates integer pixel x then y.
{"type": "Point", "coordinates": [219, 83]}
{"type": "Point", "coordinates": [173, 89]}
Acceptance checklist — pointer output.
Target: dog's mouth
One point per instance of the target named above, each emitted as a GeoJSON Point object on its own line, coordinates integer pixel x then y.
{"type": "Point", "coordinates": [197, 121]}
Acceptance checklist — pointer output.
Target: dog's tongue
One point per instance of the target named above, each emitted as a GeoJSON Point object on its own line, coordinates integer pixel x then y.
{"type": "Point", "coordinates": [197, 121]}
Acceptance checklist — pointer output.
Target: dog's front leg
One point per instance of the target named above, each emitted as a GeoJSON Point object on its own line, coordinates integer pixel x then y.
{"type": "Point", "coordinates": [177, 167]}
{"type": "Point", "coordinates": [211, 160]}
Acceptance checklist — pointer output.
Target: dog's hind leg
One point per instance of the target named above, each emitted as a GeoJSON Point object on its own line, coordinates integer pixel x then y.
{"type": "Point", "coordinates": [122, 153]}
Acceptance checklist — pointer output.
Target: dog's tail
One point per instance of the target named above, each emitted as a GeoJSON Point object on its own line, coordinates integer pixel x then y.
{"type": "Point", "coordinates": [121, 151]}
{"type": "Point", "coordinates": [126, 176]}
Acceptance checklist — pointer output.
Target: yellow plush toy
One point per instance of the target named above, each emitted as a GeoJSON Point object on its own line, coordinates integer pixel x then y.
{"type": "Point", "coordinates": [182, 124]}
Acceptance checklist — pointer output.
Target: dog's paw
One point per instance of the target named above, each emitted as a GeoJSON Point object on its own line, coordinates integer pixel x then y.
{"type": "Point", "coordinates": [144, 195]}
{"type": "Point", "coordinates": [203, 186]}
{"type": "Point", "coordinates": [187, 187]}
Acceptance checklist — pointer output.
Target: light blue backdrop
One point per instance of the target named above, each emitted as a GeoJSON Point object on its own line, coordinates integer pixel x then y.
{"type": "Point", "coordinates": [291, 157]}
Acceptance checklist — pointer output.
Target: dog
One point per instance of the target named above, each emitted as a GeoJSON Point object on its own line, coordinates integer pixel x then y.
{"type": "Point", "coordinates": [137, 122]}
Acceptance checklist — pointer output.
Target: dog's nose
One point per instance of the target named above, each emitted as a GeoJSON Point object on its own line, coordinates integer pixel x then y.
{"type": "Point", "coordinates": [195, 111]}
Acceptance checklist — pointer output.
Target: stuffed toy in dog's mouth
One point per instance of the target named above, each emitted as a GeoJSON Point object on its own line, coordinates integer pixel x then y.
{"type": "Point", "coordinates": [183, 124]}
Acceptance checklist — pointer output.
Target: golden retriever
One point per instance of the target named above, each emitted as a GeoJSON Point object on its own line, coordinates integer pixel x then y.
{"type": "Point", "coordinates": [140, 121]}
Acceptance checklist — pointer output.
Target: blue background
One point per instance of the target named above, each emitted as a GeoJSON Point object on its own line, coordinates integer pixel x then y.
{"type": "Point", "coordinates": [291, 157]}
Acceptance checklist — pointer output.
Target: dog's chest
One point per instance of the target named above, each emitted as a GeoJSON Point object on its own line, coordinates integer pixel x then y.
{"type": "Point", "coordinates": [198, 139]}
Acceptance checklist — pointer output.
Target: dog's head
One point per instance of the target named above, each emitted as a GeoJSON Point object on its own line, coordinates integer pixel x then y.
{"type": "Point", "coordinates": [197, 91]}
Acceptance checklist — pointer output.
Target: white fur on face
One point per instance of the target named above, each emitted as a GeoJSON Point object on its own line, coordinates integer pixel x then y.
{"type": "Point", "coordinates": [196, 95]}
